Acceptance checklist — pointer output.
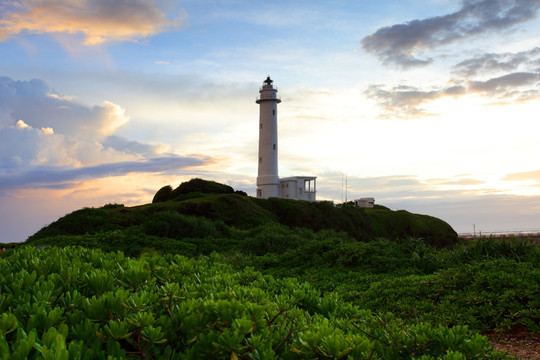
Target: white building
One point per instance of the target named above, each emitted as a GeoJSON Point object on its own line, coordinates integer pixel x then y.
{"type": "Point", "coordinates": [299, 188]}
{"type": "Point", "coordinates": [268, 182]}
{"type": "Point", "coordinates": [367, 202]}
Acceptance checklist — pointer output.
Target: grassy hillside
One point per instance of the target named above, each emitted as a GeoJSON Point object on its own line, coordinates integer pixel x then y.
{"type": "Point", "coordinates": [225, 214]}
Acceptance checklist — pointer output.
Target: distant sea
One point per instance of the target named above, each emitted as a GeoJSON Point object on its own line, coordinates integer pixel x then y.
{"type": "Point", "coordinates": [501, 233]}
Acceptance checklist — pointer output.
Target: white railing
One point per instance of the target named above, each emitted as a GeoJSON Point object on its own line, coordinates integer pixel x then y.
{"type": "Point", "coordinates": [266, 87]}
{"type": "Point", "coordinates": [268, 97]}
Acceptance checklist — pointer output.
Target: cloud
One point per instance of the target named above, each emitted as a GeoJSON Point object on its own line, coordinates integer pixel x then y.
{"type": "Point", "coordinates": [57, 177]}
{"type": "Point", "coordinates": [458, 182]}
{"type": "Point", "coordinates": [487, 213]}
{"type": "Point", "coordinates": [98, 20]}
{"type": "Point", "coordinates": [400, 187]}
{"type": "Point", "coordinates": [399, 44]}
{"type": "Point", "coordinates": [461, 200]}
{"type": "Point", "coordinates": [37, 128]}
{"type": "Point", "coordinates": [507, 85]}
{"type": "Point", "coordinates": [128, 146]}
{"type": "Point", "coordinates": [406, 101]}
{"type": "Point", "coordinates": [34, 103]}
{"type": "Point", "coordinates": [524, 176]}
{"type": "Point", "coordinates": [52, 141]}
{"type": "Point", "coordinates": [503, 77]}
{"type": "Point", "coordinates": [403, 100]}
{"type": "Point", "coordinates": [507, 62]}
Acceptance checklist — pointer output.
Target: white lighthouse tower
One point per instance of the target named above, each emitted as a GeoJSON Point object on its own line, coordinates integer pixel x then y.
{"type": "Point", "coordinates": [268, 182]}
{"type": "Point", "coordinates": [267, 177]}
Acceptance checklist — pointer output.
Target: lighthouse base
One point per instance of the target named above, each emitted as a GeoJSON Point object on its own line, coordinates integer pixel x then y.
{"type": "Point", "coordinates": [268, 186]}
{"type": "Point", "coordinates": [268, 191]}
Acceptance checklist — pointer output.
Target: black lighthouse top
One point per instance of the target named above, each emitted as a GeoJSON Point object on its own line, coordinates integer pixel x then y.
{"type": "Point", "coordinates": [268, 92]}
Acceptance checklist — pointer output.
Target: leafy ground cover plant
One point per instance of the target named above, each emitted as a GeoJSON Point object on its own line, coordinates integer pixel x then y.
{"type": "Point", "coordinates": [487, 284]}
{"type": "Point", "coordinates": [78, 303]}
{"type": "Point", "coordinates": [493, 295]}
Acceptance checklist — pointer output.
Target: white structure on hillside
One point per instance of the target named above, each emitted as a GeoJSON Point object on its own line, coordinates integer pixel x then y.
{"type": "Point", "coordinates": [299, 188]}
{"type": "Point", "coordinates": [367, 202]}
{"type": "Point", "coordinates": [267, 177]}
{"type": "Point", "coordinates": [268, 182]}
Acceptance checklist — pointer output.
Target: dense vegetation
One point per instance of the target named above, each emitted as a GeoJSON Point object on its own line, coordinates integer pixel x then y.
{"type": "Point", "coordinates": [217, 274]}
{"type": "Point", "coordinates": [194, 186]}
{"type": "Point", "coordinates": [62, 303]}
{"type": "Point", "coordinates": [198, 209]}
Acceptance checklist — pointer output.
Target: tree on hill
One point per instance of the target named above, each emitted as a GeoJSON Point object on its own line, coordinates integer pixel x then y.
{"type": "Point", "coordinates": [163, 194]}
{"type": "Point", "coordinates": [192, 186]}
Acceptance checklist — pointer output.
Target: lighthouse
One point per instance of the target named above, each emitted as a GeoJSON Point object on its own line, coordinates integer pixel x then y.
{"type": "Point", "coordinates": [267, 176]}
{"type": "Point", "coordinates": [268, 182]}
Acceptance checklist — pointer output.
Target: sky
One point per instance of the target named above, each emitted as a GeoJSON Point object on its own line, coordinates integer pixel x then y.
{"type": "Point", "coordinates": [432, 106]}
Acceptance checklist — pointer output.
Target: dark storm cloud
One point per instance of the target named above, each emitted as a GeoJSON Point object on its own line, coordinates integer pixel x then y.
{"type": "Point", "coordinates": [398, 44]}
{"type": "Point", "coordinates": [56, 177]}
{"type": "Point", "coordinates": [506, 62]}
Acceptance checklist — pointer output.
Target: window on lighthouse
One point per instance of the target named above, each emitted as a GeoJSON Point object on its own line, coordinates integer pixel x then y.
{"type": "Point", "coordinates": [273, 112]}
{"type": "Point", "coordinates": [274, 146]}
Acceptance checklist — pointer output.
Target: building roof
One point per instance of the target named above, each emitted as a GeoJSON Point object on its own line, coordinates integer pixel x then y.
{"type": "Point", "coordinates": [290, 178]}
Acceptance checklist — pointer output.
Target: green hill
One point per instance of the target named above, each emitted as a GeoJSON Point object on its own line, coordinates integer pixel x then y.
{"type": "Point", "coordinates": [202, 209]}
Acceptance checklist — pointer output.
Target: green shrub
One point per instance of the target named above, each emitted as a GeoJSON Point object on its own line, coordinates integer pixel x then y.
{"type": "Point", "coordinates": [83, 221]}
{"type": "Point", "coordinates": [113, 206]}
{"type": "Point", "coordinates": [201, 186]}
{"type": "Point", "coordinates": [273, 238]}
{"type": "Point", "coordinates": [494, 248]}
{"type": "Point", "coordinates": [72, 302]}
{"type": "Point", "coordinates": [131, 242]}
{"type": "Point", "coordinates": [177, 226]}
{"type": "Point", "coordinates": [489, 295]}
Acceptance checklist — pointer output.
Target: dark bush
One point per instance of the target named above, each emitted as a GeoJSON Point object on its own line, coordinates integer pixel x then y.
{"type": "Point", "coordinates": [201, 186]}
{"type": "Point", "coordinates": [163, 194]}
